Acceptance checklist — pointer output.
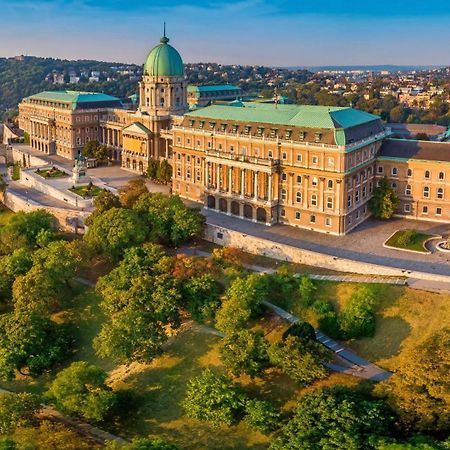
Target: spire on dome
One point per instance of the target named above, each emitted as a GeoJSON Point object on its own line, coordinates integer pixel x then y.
{"type": "Point", "coordinates": [164, 39]}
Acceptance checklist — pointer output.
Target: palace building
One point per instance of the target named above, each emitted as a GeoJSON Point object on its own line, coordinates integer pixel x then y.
{"type": "Point", "coordinates": [313, 167]}
{"type": "Point", "coordinates": [62, 122]}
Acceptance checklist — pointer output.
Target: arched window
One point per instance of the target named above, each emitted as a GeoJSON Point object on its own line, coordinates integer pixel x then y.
{"type": "Point", "coordinates": [441, 175]}
{"type": "Point", "coordinates": [427, 174]}
{"type": "Point", "coordinates": [440, 193]}
{"type": "Point", "coordinates": [408, 189]}
{"type": "Point", "coordinates": [330, 184]}
{"type": "Point", "coordinates": [394, 171]}
{"type": "Point", "coordinates": [409, 173]}
{"type": "Point", "coordinates": [426, 192]}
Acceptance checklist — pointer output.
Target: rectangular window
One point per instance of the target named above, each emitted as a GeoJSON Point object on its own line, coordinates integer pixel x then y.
{"type": "Point", "coordinates": [315, 159]}
{"type": "Point", "coordinates": [380, 169]}
{"type": "Point", "coordinates": [328, 222]}
{"type": "Point", "coordinates": [299, 179]}
{"type": "Point", "coordinates": [283, 212]}
{"type": "Point", "coordinates": [297, 215]}
{"type": "Point", "coordinates": [425, 210]}
{"type": "Point", "coordinates": [439, 211]}
{"type": "Point", "coordinates": [312, 219]}
{"type": "Point", "coordinates": [407, 208]}
{"type": "Point", "coordinates": [330, 202]}
{"type": "Point", "coordinates": [299, 157]}
{"type": "Point", "coordinates": [284, 156]}
{"type": "Point", "coordinates": [270, 154]}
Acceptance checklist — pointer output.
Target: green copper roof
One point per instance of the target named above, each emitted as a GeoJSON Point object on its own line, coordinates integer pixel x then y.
{"type": "Point", "coordinates": [307, 116]}
{"type": "Point", "coordinates": [164, 61]}
{"type": "Point", "coordinates": [76, 98]}
{"type": "Point", "coordinates": [213, 88]}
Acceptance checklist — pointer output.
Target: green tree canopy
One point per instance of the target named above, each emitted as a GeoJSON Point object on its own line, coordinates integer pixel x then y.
{"type": "Point", "coordinates": [213, 398]}
{"type": "Point", "coordinates": [102, 203]}
{"type": "Point", "coordinates": [117, 229]}
{"type": "Point", "coordinates": [336, 418]}
{"type": "Point", "coordinates": [301, 360]}
{"type": "Point", "coordinates": [384, 200]}
{"type": "Point", "coordinates": [131, 192]}
{"type": "Point", "coordinates": [245, 351]}
{"type": "Point", "coordinates": [31, 344]}
{"type": "Point", "coordinates": [17, 410]}
{"type": "Point", "coordinates": [81, 389]}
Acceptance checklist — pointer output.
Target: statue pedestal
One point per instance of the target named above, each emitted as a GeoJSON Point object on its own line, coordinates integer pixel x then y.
{"type": "Point", "coordinates": [79, 174]}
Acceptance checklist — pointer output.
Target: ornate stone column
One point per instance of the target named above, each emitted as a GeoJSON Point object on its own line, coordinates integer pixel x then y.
{"type": "Point", "coordinates": [255, 185]}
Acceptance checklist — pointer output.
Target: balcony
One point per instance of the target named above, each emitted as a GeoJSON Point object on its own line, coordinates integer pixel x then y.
{"type": "Point", "coordinates": [241, 160]}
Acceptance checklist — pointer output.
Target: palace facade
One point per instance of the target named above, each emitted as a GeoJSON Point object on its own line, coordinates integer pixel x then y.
{"type": "Point", "coordinates": [312, 167]}
{"type": "Point", "coordinates": [62, 122]}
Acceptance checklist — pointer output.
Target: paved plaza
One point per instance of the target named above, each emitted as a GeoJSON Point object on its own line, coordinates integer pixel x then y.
{"type": "Point", "coordinates": [364, 243]}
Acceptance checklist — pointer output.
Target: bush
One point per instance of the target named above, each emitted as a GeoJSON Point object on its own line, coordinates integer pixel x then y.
{"type": "Point", "coordinates": [261, 415]}
{"type": "Point", "coordinates": [306, 290]}
{"type": "Point", "coordinates": [407, 237]}
{"type": "Point", "coordinates": [303, 330]}
{"type": "Point", "coordinates": [327, 318]}
{"type": "Point", "coordinates": [17, 410]}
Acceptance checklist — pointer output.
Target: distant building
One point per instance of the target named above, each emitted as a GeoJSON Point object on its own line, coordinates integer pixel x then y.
{"type": "Point", "coordinates": [11, 134]}
{"type": "Point", "coordinates": [205, 95]}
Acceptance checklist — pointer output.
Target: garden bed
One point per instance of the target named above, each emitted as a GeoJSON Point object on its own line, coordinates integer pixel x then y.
{"type": "Point", "coordinates": [409, 240]}
{"type": "Point", "coordinates": [51, 173]}
{"type": "Point", "coordinates": [86, 191]}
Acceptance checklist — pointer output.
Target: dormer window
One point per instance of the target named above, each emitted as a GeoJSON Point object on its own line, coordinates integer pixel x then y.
{"type": "Point", "coordinates": [317, 137]}
{"type": "Point", "coordinates": [274, 132]}
{"type": "Point", "coordinates": [288, 134]}
{"type": "Point", "coordinates": [202, 124]}
{"type": "Point", "coordinates": [191, 123]}
{"type": "Point", "coordinates": [247, 129]}
{"type": "Point", "coordinates": [223, 127]}
{"type": "Point", "coordinates": [212, 125]}
{"type": "Point", "coordinates": [302, 135]}
{"type": "Point", "coordinates": [235, 128]}
{"type": "Point", "coordinates": [260, 131]}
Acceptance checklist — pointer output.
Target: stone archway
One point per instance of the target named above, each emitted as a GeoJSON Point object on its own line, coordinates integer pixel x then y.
{"type": "Point", "coordinates": [261, 215]}
{"type": "Point", "coordinates": [235, 208]}
{"type": "Point", "coordinates": [248, 211]}
{"type": "Point", "coordinates": [134, 164]}
{"type": "Point", "coordinates": [211, 202]}
{"type": "Point", "coordinates": [223, 205]}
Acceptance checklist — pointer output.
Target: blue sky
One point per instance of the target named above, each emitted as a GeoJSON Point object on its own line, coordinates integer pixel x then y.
{"type": "Point", "coordinates": [270, 32]}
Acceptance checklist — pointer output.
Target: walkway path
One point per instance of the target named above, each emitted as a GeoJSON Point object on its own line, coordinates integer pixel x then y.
{"type": "Point", "coordinates": [364, 244]}
{"type": "Point", "coordinates": [85, 429]}
{"type": "Point", "coordinates": [352, 363]}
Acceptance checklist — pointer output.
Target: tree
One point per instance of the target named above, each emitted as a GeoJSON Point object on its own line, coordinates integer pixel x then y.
{"type": "Point", "coordinates": [419, 388]}
{"type": "Point", "coordinates": [93, 149]}
{"type": "Point", "coordinates": [116, 230]}
{"type": "Point", "coordinates": [152, 170]}
{"type": "Point", "coordinates": [357, 318]}
{"type": "Point", "coordinates": [102, 203]}
{"type": "Point", "coordinates": [50, 436]}
{"type": "Point", "coordinates": [164, 172]}
{"type": "Point", "coordinates": [130, 335]}
{"type": "Point", "coordinates": [397, 114]}
{"type": "Point", "coordinates": [245, 351]}
{"type": "Point", "coordinates": [306, 290]}
{"type": "Point", "coordinates": [302, 330]}
{"type": "Point", "coordinates": [81, 389]}
{"type": "Point", "coordinates": [243, 299]}
{"type": "Point", "coordinates": [169, 220]}
{"type": "Point", "coordinates": [201, 296]}
{"type": "Point", "coordinates": [213, 398]}
{"type": "Point", "coordinates": [335, 418]}
{"type": "Point", "coordinates": [12, 266]}
{"type": "Point", "coordinates": [31, 342]}
{"type": "Point", "coordinates": [384, 201]}
{"type": "Point", "coordinates": [131, 192]}
{"type": "Point", "coordinates": [17, 410]}
{"type": "Point", "coordinates": [300, 360]}
{"type": "Point", "coordinates": [261, 415]}
{"type": "Point", "coordinates": [24, 229]}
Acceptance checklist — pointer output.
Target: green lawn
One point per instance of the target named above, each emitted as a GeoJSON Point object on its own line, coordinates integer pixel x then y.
{"type": "Point", "coordinates": [51, 173]}
{"type": "Point", "coordinates": [416, 243]}
{"type": "Point", "coordinates": [86, 191]}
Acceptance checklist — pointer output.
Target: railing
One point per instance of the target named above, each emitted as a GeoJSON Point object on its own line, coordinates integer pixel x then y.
{"type": "Point", "coordinates": [241, 158]}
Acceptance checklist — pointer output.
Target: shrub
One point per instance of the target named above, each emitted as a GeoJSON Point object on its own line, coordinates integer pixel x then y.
{"type": "Point", "coordinates": [303, 330]}
{"type": "Point", "coordinates": [407, 237]}
{"type": "Point", "coordinates": [17, 410]}
{"type": "Point", "coordinates": [327, 318]}
{"type": "Point", "coordinates": [306, 290]}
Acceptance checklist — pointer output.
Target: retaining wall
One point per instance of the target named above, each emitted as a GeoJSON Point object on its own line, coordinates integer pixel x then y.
{"type": "Point", "coordinates": [283, 252]}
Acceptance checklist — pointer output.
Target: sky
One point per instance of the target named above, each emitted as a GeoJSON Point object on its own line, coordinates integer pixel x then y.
{"type": "Point", "coordinates": [266, 32]}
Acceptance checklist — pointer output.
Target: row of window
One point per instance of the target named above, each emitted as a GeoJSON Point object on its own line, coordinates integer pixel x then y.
{"type": "Point", "coordinates": [312, 217]}
{"type": "Point", "coordinates": [425, 192]}
{"type": "Point", "coordinates": [314, 180]}
{"type": "Point", "coordinates": [425, 209]}
{"type": "Point", "coordinates": [260, 131]}
{"type": "Point", "coordinates": [313, 199]}
{"type": "Point", "coordinates": [409, 173]}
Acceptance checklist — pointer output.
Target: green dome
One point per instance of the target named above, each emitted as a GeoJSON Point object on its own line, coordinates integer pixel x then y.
{"type": "Point", "coordinates": [164, 61]}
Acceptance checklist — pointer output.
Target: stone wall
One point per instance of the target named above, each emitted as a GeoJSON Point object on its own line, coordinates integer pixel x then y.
{"type": "Point", "coordinates": [283, 252]}
{"type": "Point", "coordinates": [69, 220]}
